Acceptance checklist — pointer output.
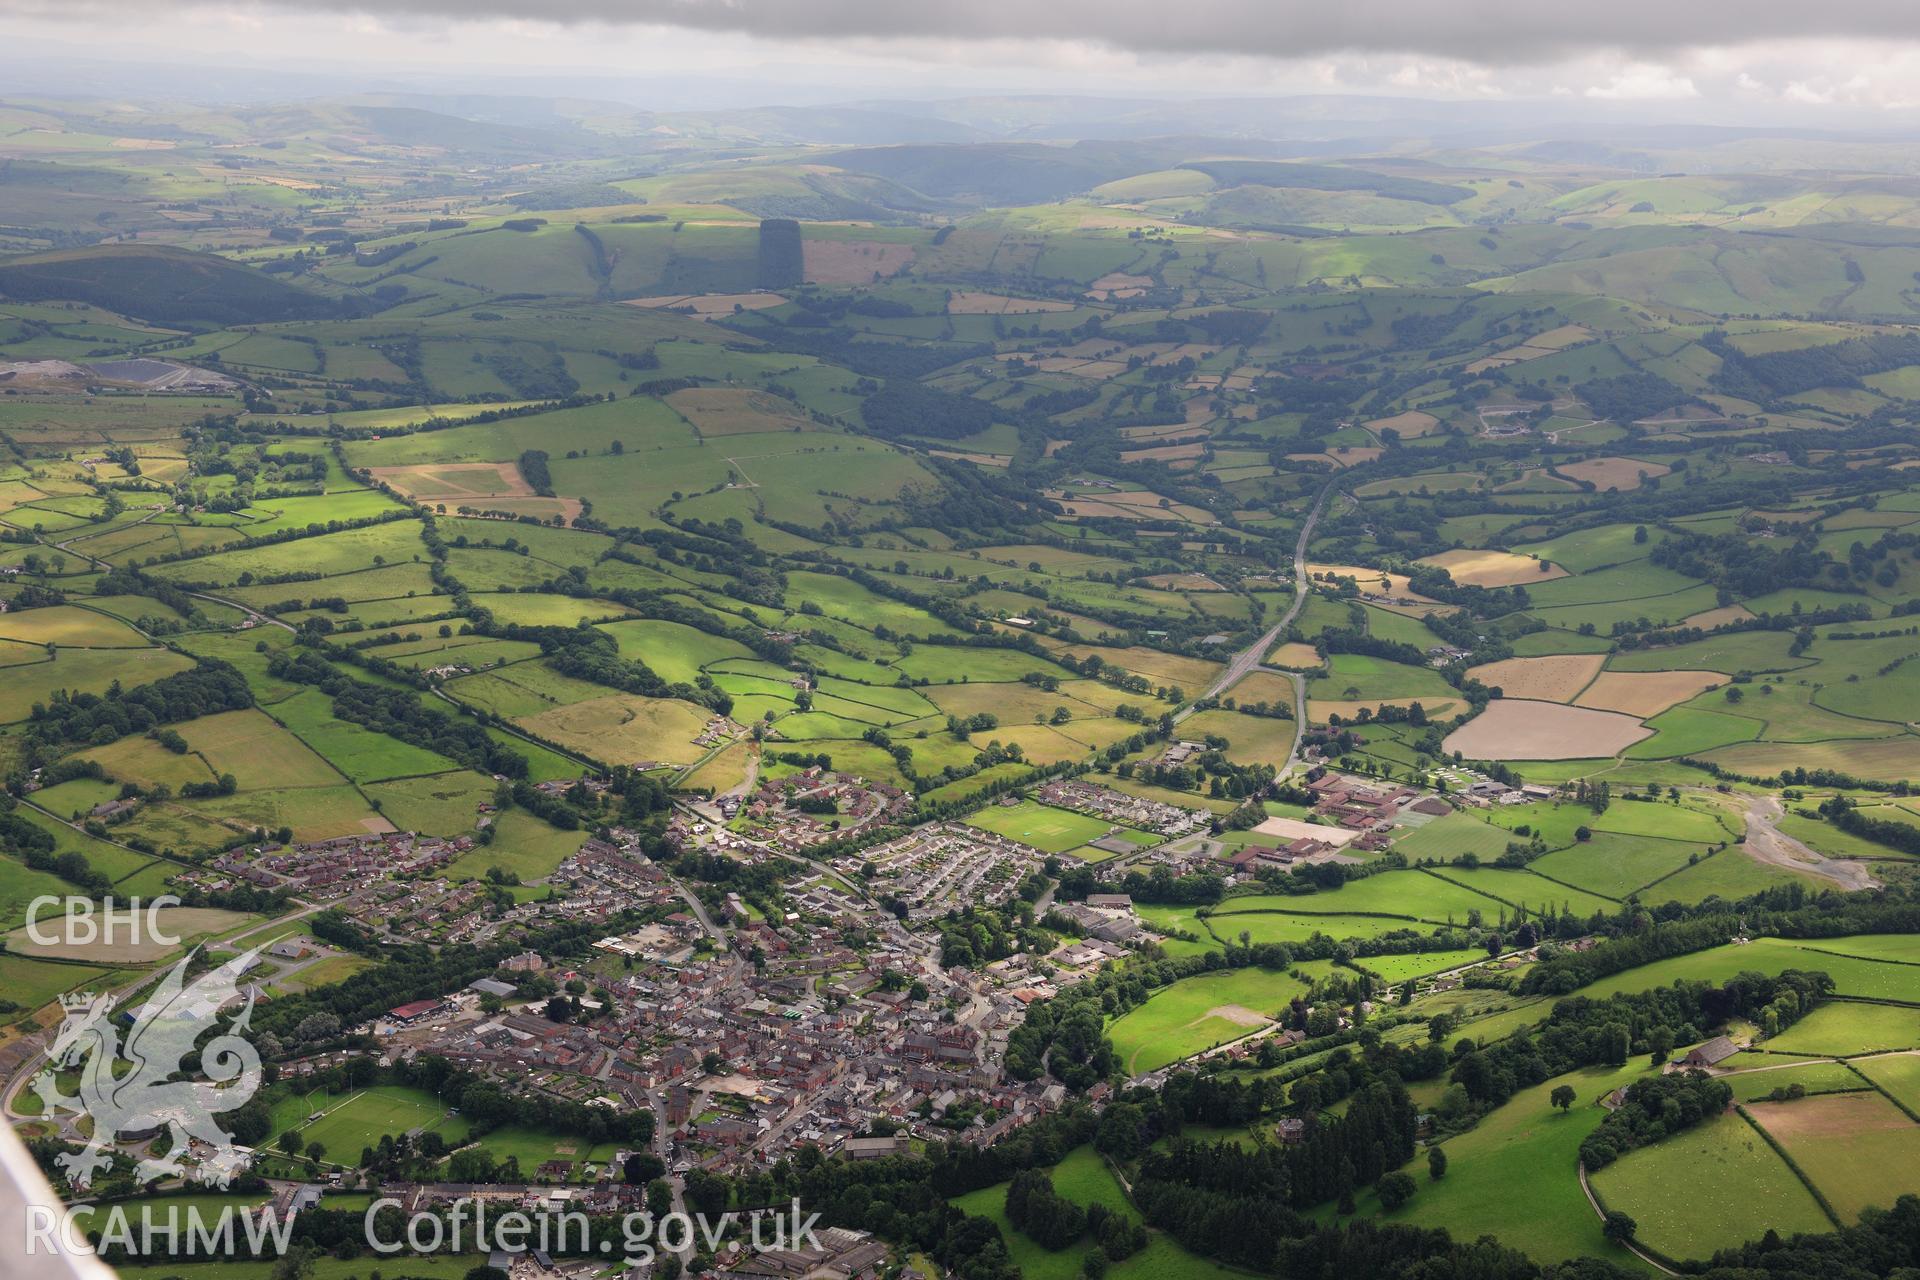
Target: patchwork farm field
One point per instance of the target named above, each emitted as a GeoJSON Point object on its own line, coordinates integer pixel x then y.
{"type": "Point", "coordinates": [1738, 1189]}
{"type": "Point", "coordinates": [1858, 1148]}
{"type": "Point", "coordinates": [1195, 1014]}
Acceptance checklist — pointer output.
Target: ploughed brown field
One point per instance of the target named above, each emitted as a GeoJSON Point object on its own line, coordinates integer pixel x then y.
{"type": "Point", "coordinates": [1511, 729]}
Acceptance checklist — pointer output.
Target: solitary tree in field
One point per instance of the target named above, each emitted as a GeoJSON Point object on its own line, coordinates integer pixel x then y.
{"type": "Point", "coordinates": [1436, 1163]}
{"type": "Point", "coordinates": [1618, 1227]}
{"type": "Point", "coordinates": [1563, 1097]}
{"type": "Point", "coordinates": [1395, 1189]}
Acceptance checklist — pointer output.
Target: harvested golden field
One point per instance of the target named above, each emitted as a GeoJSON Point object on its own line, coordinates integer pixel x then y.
{"type": "Point", "coordinates": [973, 302]}
{"type": "Point", "coordinates": [1165, 452]}
{"type": "Point", "coordinates": [1558, 678]}
{"type": "Point", "coordinates": [709, 304]}
{"type": "Point", "coordinates": [1118, 284]}
{"type": "Point", "coordinates": [1718, 617]}
{"type": "Point", "coordinates": [728, 411]}
{"type": "Point", "coordinates": [1614, 473]}
{"type": "Point", "coordinates": [1369, 579]}
{"type": "Point", "coordinates": [184, 923]}
{"type": "Point", "coordinates": [1494, 568]}
{"type": "Point", "coordinates": [1407, 426]}
{"type": "Point", "coordinates": [1191, 674]}
{"type": "Point", "coordinates": [624, 729]}
{"type": "Point", "coordinates": [1294, 656]}
{"type": "Point", "coordinates": [852, 261]}
{"type": "Point", "coordinates": [977, 459]}
{"type": "Point", "coordinates": [1158, 432]}
{"type": "Point", "coordinates": [1322, 710]}
{"type": "Point", "coordinates": [1549, 343]}
{"type": "Point", "coordinates": [1342, 455]}
{"type": "Point", "coordinates": [1510, 729]}
{"type": "Point", "coordinates": [479, 486]}
{"type": "Point", "coordinates": [1646, 693]}
{"type": "Point", "coordinates": [1136, 505]}
{"type": "Point", "coordinates": [1263, 686]}
{"type": "Point", "coordinates": [1182, 582]}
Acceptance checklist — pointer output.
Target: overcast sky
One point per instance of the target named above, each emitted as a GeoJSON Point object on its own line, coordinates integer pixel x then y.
{"type": "Point", "coordinates": [1850, 62]}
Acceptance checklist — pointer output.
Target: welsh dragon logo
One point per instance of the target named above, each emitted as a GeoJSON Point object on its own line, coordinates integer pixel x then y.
{"type": "Point", "coordinates": [124, 1087]}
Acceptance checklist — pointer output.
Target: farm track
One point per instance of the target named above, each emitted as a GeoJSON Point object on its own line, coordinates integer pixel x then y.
{"type": "Point", "coordinates": [1250, 658]}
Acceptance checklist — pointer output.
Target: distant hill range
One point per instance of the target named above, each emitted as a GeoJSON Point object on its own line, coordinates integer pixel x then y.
{"type": "Point", "coordinates": [151, 282]}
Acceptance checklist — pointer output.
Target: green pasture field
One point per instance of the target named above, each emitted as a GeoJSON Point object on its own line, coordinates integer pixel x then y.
{"type": "Point", "coordinates": [1665, 609]}
{"type": "Point", "coordinates": [1890, 759]}
{"type": "Point", "coordinates": [1557, 822]}
{"type": "Point", "coordinates": [1729, 874]}
{"type": "Point", "coordinates": [19, 886]}
{"type": "Point", "coordinates": [1281, 926]}
{"type": "Point", "coordinates": [1400, 968]}
{"type": "Point", "coordinates": [1737, 1188]}
{"type": "Point", "coordinates": [1450, 836]}
{"type": "Point", "coordinates": [314, 813]}
{"type": "Point", "coordinates": [1869, 979]}
{"type": "Point", "coordinates": [1520, 887]}
{"type": "Point", "coordinates": [482, 570]}
{"type": "Point", "coordinates": [948, 664]}
{"type": "Point", "coordinates": [531, 610]}
{"type": "Point", "coordinates": [625, 728]}
{"type": "Point", "coordinates": [357, 752]}
{"type": "Point", "coordinates": [1588, 550]}
{"type": "Point", "coordinates": [1818, 834]}
{"type": "Point", "coordinates": [1378, 678]}
{"type": "Point", "coordinates": [258, 750]}
{"type": "Point", "coordinates": [1755, 1075]}
{"type": "Point", "coordinates": [440, 804]}
{"type": "Point", "coordinates": [1542, 643]}
{"type": "Point", "coordinates": [523, 688]}
{"type": "Point", "coordinates": [533, 1148]}
{"type": "Point", "coordinates": [1081, 1178]}
{"type": "Point", "coordinates": [32, 983]}
{"type": "Point", "coordinates": [848, 601]}
{"type": "Point", "coordinates": [240, 649]}
{"type": "Point", "coordinates": [1840, 1028]}
{"type": "Point", "coordinates": [1046, 828]}
{"type": "Point", "coordinates": [71, 626]}
{"type": "Point", "coordinates": [1897, 1074]}
{"type": "Point", "coordinates": [675, 651]}
{"type": "Point", "coordinates": [1890, 947]}
{"type": "Point", "coordinates": [1732, 654]}
{"type": "Point", "coordinates": [1792, 715]}
{"type": "Point", "coordinates": [1614, 865]}
{"type": "Point", "coordinates": [1187, 1017]}
{"type": "Point", "coordinates": [110, 859]}
{"type": "Point", "coordinates": [82, 671]}
{"type": "Point", "coordinates": [357, 1120]}
{"type": "Point", "coordinates": [382, 587]}
{"type": "Point", "coordinates": [475, 651]}
{"type": "Point", "coordinates": [144, 761]}
{"type": "Point", "coordinates": [1512, 1175]}
{"type": "Point", "coordinates": [558, 547]}
{"type": "Point", "coordinates": [396, 541]}
{"type": "Point", "coordinates": [1868, 697]}
{"type": "Point", "coordinates": [522, 844]}
{"type": "Point", "coordinates": [1689, 731]}
{"type": "Point", "coordinates": [1412, 894]}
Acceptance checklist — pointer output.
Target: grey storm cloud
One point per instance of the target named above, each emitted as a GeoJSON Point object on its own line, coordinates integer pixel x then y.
{"type": "Point", "coordinates": [1492, 32]}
